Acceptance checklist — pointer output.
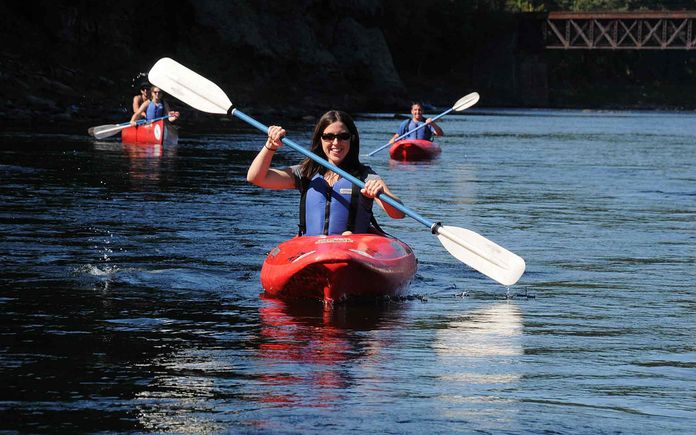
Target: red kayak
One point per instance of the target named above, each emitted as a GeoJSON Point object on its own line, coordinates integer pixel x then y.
{"type": "Point", "coordinates": [338, 268]}
{"type": "Point", "coordinates": [414, 149]}
{"type": "Point", "coordinates": [155, 133]}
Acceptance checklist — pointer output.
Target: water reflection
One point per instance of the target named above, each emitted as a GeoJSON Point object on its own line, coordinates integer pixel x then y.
{"type": "Point", "coordinates": [482, 349]}
{"type": "Point", "coordinates": [411, 165]}
{"type": "Point", "coordinates": [137, 151]}
{"type": "Point", "coordinates": [302, 356]}
{"type": "Point", "coordinates": [480, 363]}
{"type": "Point", "coordinates": [307, 348]}
{"type": "Point", "coordinates": [145, 161]}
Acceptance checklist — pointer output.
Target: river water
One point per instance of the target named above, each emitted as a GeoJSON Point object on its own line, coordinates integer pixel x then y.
{"type": "Point", "coordinates": [130, 295]}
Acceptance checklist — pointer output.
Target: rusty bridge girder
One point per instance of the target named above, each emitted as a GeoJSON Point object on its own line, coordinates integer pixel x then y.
{"type": "Point", "coordinates": [638, 30]}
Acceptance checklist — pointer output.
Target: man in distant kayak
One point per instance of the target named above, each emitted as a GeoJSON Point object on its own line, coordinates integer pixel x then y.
{"type": "Point", "coordinates": [154, 108]}
{"type": "Point", "coordinates": [139, 99]}
{"type": "Point", "coordinates": [425, 133]}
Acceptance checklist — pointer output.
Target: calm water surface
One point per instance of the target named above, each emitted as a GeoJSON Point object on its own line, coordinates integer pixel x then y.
{"type": "Point", "coordinates": [130, 295]}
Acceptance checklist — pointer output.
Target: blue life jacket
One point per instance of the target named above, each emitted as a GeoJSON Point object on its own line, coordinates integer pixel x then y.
{"type": "Point", "coordinates": [332, 210]}
{"type": "Point", "coordinates": [154, 110]}
{"type": "Point", "coordinates": [425, 133]}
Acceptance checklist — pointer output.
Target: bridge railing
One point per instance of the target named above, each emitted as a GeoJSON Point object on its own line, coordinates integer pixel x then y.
{"type": "Point", "coordinates": [638, 30]}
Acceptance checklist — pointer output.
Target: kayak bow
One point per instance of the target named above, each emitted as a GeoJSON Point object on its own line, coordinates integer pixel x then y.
{"type": "Point", "coordinates": [411, 150]}
{"type": "Point", "coordinates": [338, 268]}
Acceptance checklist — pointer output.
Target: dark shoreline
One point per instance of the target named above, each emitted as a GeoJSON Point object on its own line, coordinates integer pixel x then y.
{"type": "Point", "coordinates": [214, 124]}
{"type": "Point", "coordinates": [66, 68]}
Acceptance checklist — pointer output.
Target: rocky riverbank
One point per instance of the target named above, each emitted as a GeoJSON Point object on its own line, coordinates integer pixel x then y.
{"type": "Point", "coordinates": [82, 64]}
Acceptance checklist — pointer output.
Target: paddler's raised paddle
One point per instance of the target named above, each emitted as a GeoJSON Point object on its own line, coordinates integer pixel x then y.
{"type": "Point", "coordinates": [473, 249]}
{"type": "Point", "coordinates": [463, 103]}
{"type": "Point", "coordinates": [102, 131]}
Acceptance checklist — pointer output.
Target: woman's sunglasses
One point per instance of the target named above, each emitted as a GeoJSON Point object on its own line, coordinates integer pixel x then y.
{"type": "Point", "coordinates": [329, 137]}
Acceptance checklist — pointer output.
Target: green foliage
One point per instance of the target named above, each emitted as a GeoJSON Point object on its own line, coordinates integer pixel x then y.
{"type": "Point", "coordinates": [525, 6]}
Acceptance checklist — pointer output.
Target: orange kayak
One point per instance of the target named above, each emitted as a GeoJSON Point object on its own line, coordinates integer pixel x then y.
{"type": "Point", "coordinates": [338, 268]}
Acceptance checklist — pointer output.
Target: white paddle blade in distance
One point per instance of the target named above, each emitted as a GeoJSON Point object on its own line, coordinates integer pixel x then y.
{"type": "Point", "coordinates": [466, 101]}
{"type": "Point", "coordinates": [104, 131]}
{"type": "Point", "coordinates": [189, 86]}
{"type": "Point", "coordinates": [482, 254]}
{"type": "Point", "coordinates": [91, 131]}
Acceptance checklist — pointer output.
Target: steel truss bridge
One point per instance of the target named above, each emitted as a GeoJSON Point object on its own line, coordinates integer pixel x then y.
{"type": "Point", "coordinates": [638, 30]}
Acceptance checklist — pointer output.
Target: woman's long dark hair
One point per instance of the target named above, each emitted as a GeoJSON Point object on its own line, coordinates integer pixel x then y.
{"type": "Point", "coordinates": [351, 163]}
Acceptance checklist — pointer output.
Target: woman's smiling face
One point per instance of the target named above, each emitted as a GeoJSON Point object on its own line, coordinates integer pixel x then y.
{"type": "Point", "coordinates": [335, 142]}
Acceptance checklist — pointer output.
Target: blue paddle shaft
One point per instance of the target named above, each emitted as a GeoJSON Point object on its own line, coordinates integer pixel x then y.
{"type": "Point", "coordinates": [145, 121]}
{"type": "Point", "coordinates": [386, 198]}
{"type": "Point", "coordinates": [141, 121]}
{"type": "Point", "coordinates": [412, 131]}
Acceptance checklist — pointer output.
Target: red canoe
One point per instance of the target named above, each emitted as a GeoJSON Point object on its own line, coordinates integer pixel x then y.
{"type": "Point", "coordinates": [156, 133]}
{"type": "Point", "coordinates": [413, 150]}
{"type": "Point", "coordinates": [338, 268]}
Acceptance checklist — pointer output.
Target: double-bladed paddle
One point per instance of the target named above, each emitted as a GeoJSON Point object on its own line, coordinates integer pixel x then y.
{"type": "Point", "coordinates": [102, 131]}
{"type": "Point", "coordinates": [473, 249]}
{"type": "Point", "coordinates": [463, 103]}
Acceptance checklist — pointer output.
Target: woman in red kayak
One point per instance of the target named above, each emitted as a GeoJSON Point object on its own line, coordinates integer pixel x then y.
{"type": "Point", "coordinates": [329, 203]}
{"type": "Point", "coordinates": [417, 119]}
{"type": "Point", "coordinates": [156, 107]}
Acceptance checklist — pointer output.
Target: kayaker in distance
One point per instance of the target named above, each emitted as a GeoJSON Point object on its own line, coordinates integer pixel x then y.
{"type": "Point", "coordinates": [142, 97]}
{"type": "Point", "coordinates": [349, 209]}
{"type": "Point", "coordinates": [417, 119]}
{"type": "Point", "coordinates": [156, 107]}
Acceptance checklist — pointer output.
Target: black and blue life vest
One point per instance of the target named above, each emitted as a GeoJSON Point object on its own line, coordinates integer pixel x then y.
{"type": "Point", "coordinates": [424, 133]}
{"type": "Point", "coordinates": [333, 209]}
{"type": "Point", "coordinates": [154, 110]}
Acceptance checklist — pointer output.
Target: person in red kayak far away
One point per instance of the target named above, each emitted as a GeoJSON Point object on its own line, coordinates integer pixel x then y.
{"type": "Point", "coordinates": [425, 133]}
{"type": "Point", "coordinates": [155, 107]}
{"type": "Point", "coordinates": [142, 97]}
{"type": "Point", "coordinates": [329, 203]}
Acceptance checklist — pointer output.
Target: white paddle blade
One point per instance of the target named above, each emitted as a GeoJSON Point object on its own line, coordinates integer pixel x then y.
{"type": "Point", "coordinates": [481, 254]}
{"type": "Point", "coordinates": [188, 86]}
{"type": "Point", "coordinates": [466, 101]}
{"type": "Point", "coordinates": [103, 131]}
